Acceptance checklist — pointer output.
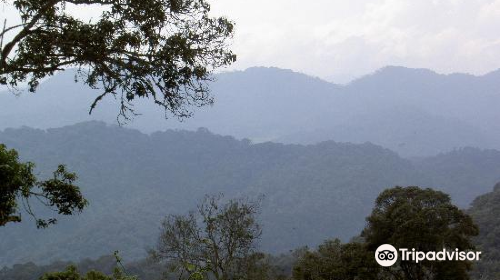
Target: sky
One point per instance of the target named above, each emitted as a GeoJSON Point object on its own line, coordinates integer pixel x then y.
{"type": "Point", "coordinates": [341, 40]}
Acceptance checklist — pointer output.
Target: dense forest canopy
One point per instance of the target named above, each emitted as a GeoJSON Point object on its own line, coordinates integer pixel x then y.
{"type": "Point", "coordinates": [132, 180]}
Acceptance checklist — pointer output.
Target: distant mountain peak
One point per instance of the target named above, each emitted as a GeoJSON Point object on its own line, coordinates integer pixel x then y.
{"type": "Point", "coordinates": [394, 71]}
{"type": "Point", "coordinates": [274, 73]}
{"type": "Point", "coordinates": [497, 187]}
{"type": "Point", "coordinates": [397, 72]}
{"type": "Point", "coordinates": [403, 69]}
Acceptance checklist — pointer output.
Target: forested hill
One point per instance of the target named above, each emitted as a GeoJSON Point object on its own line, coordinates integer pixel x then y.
{"type": "Point", "coordinates": [485, 211]}
{"type": "Point", "coordinates": [132, 180]}
{"type": "Point", "coordinates": [414, 112]}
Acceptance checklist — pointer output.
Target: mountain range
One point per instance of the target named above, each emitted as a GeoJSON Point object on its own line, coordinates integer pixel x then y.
{"type": "Point", "coordinates": [414, 112]}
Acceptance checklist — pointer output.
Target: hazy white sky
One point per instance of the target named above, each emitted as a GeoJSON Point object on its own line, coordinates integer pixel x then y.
{"type": "Point", "coordinates": [339, 40]}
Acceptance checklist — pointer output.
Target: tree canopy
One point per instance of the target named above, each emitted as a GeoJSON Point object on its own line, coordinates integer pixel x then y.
{"type": "Point", "coordinates": [217, 241]}
{"type": "Point", "coordinates": [415, 218]}
{"type": "Point", "coordinates": [485, 210]}
{"type": "Point", "coordinates": [71, 273]}
{"type": "Point", "coordinates": [18, 185]}
{"type": "Point", "coordinates": [423, 219]}
{"type": "Point", "coordinates": [336, 261]}
{"type": "Point", "coordinates": [164, 50]}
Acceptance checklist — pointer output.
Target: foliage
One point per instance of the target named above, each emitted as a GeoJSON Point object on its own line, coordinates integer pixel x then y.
{"type": "Point", "coordinates": [260, 267]}
{"type": "Point", "coordinates": [18, 184]}
{"type": "Point", "coordinates": [144, 269]}
{"type": "Point", "coordinates": [485, 210]}
{"type": "Point", "coordinates": [71, 273]}
{"type": "Point", "coordinates": [217, 241]}
{"type": "Point", "coordinates": [336, 261]}
{"type": "Point", "coordinates": [423, 219]}
{"type": "Point", "coordinates": [165, 50]}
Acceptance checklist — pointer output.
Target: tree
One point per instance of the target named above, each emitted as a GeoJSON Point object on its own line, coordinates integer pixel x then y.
{"type": "Point", "coordinates": [18, 185]}
{"type": "Point", "coordinates": [259, 266]}
{"type": "Point", "coordinates": [336, 261]}
{"type": "Point", "coordinates": [216, 241]}
{"type": "Point", "coordinates": [423, 219]}
{"type": "Point", "coordinates": [71, 273]}
{"type": "Point", "coordinates": [165, 50]}
{"type": "Point", "coordinates": [485, 211]}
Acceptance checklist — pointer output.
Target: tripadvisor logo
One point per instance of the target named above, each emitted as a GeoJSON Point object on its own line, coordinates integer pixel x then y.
{"type": "Point", "coordinates": [386, 255]}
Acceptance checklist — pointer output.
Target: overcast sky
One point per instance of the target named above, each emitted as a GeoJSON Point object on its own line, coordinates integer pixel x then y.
{"type": "Point", "coordinates": [339, 40]}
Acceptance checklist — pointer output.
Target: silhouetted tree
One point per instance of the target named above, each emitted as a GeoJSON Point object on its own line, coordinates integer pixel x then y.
{"type": "Point", "coordinates": [165, 50]}
{"type": "Point", "coordinates": [18, 185]}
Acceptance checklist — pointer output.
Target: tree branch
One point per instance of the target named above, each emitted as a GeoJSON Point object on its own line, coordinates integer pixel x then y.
{"type": "Point", "coordinates": [23, 33]}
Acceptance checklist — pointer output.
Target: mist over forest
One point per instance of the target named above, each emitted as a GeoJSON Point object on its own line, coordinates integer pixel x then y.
{"type": "Point", "coordinates": [318, 154]}
{"type": "Point", "coordinates": [414, 112]}
{"type": "Point", "coordinates": [208, 140]}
